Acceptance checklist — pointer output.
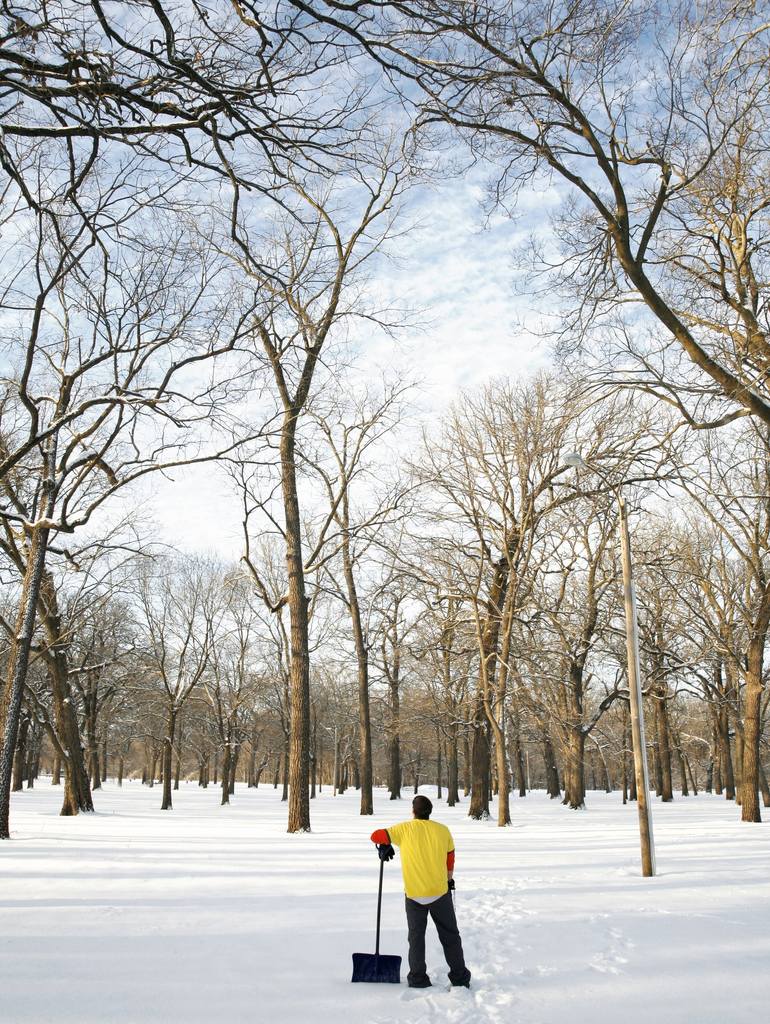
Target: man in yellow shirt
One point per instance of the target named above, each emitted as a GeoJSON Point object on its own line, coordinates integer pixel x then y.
{"type": "Point", "coordinates": [427, 864]}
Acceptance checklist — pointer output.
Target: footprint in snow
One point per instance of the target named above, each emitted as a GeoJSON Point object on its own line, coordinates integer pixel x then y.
{"type": "Point", "coordinates": [484, 916]}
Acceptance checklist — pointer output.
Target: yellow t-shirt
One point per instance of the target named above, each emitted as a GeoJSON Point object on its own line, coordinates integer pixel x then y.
{"type": "Point", "coordinates": [424, 846]}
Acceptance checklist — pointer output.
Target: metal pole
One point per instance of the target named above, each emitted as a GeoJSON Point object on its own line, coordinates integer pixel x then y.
{"type": "Point", "coordinates": [635, 692]}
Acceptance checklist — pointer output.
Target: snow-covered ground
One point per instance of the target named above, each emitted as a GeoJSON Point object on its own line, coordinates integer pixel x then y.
{"type": "Point", "coordinates": [207, 914]}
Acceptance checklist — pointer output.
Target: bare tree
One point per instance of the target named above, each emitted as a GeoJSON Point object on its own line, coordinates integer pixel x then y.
{"type": "Point", "coordinates": [578, 574]}
{"type": "Point", "coordinates": [712, 583]}
{"type": "Point", "coordinates": [230, 683]}
{"type": "Point", "coordinates": [108, 316]}
{"type": "Point", "coordinates": [233, 90]}
{"type": "Point", "coordinates": [392, 626]}
{"type": "Point", "coordinates": [445, 642]}
{"type": "Point", "coordinates": [732, 490]}
{"type": "Point", "coordinates": [667, 198]}
{"type": "Point", "coordinates": [306, 278]}
{"type": "Point", "coordinates": [497, 470]}
{"type": "Point", "coordinates": [344, 464]}
{"type": "Point", "coordinates": [178, 613]}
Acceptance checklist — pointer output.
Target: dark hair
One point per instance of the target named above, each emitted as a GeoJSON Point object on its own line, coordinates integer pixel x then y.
{"type": "Point", "coordinates": [422, 807]}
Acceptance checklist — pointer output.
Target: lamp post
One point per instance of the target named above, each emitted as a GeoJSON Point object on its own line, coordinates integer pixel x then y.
{"type": "Point", "coordinates": [641, 772]}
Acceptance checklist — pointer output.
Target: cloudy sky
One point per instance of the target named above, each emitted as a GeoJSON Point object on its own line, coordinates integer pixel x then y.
{"type": "Point", "coordinates": [456, 269]}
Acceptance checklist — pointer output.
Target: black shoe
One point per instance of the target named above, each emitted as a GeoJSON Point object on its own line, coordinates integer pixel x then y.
{"type": "Point", "coordinates": [465, 983]}
{"type": "Point", "coordinates": [420, 983]}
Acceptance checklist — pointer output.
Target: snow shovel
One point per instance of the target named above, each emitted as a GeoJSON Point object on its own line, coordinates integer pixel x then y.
{"type": "Point", "coordinates": [377, 966]}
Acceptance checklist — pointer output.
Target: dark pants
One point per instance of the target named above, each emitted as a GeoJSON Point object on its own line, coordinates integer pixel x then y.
{"type": "Point", "coordinates": [443, 913]}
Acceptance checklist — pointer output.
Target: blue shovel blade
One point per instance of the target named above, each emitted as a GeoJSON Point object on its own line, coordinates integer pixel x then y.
{"type": "Point", "coordinates": [376, 967]}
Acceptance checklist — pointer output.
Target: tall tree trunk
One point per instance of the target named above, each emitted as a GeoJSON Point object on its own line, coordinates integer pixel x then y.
{"type": "Point", "coordinates": [764, 788]}
{"type": "Point", "coordinates": [178, 759]}
{"type": "Point", "coordinates": [394, 767]}
{"type": "Point", "coordinates": [77, 790]}
{"type": "Point", "coordinates": [656, 770]}
{"type": "Point", "coordinates": [286, 771]}
{"type": "Point", "coordinates": [726, 771]}
{"type": "Point", "coordinates": [628, 749]}
{"type": "Point", "coordinates": [663, 735]}
{"type": "Point", "coordinates": [608, 784]}
{"type": "Point", "coordinates": [362, 664]}
{"type": "Point", "coordinates": [682, 772]}
{"type": "Point", "coordinates": [299, 743]}
{"type": "Point", "coordinates": [483, 717]}
{"type": "Point", "coordinates": [438, 763]}
{"type": "Point", "coordinates": [518, 754]}
{"type": "Point", "coordinates": [226, 772]}
{"type": "Point", "coordinates": [713, 774]}
{"type": "Point", "coordinates": [168, 749]}
{"type": "Point", "coordinates": [33, 757]}
{"type": "Point", "coordinates": [18, 655]}
{"type": "Point", "coordinates": [495, 705]}
{"type": "Point", "coordinates": [738, 762]}
{"type": "Point", "coordinates": [258, 773]}
{"type": "Point", "coordinates": [503, 777]}
{"type": "Point", "coordinates": [551, 770]}
{"type": "Point", "coordinates": [574, 769]}
{"type": "Point", "coordinates": [56, 770]}
{"type": "Point", "coordinates": [394, 731]}
{"type": "Point", "coordinates": [732, 716]}
{"type": "Point", "coordinates": [624, 768]}
{"type": "Point", "coordinates": [479, 805]}
{"type": "Point", "coordinates": [575, 738]}
{"type": "Point", "coordinates": [94, 769]}
{"type": "Point", "coordinates": [313, 765]}
{"type": "Point", "coordinates": [253, 754]}
{"type": "Point", "coordinates": [693, 780]}
{"type": "Point", "coordinates": [235, 756]}
{"type": "Point", "coordinates": [77, 793]}
{"type": "Point", "coordinates": [752, 725]}
{"type": "Point", "coordinates": [336, 764]}
{"type": "Point", "coordinates": [452, 792]}
{"type": "Point", "coordinates": [467, 762]}
{"type": "Point", "coordinates": [32, 766]}
{"type": "Point", "coordinates": [90, 711]}
{"type": "Point", "coordinates": [20, 757]}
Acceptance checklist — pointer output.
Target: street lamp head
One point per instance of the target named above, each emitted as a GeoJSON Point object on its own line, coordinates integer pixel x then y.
{"type": "Point", "coordinates": [576, 460]}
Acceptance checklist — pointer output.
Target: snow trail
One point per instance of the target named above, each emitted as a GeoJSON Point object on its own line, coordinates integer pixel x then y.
{"type": "Point", "coordinates": [485, 913]}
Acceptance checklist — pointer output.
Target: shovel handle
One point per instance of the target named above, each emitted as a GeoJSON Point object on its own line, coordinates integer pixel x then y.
{"type": "Point", "coordinates": [379, 909]}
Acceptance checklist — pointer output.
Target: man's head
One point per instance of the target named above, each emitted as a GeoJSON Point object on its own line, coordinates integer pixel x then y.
{"type": "Point", "coordinates": [421, 807]}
